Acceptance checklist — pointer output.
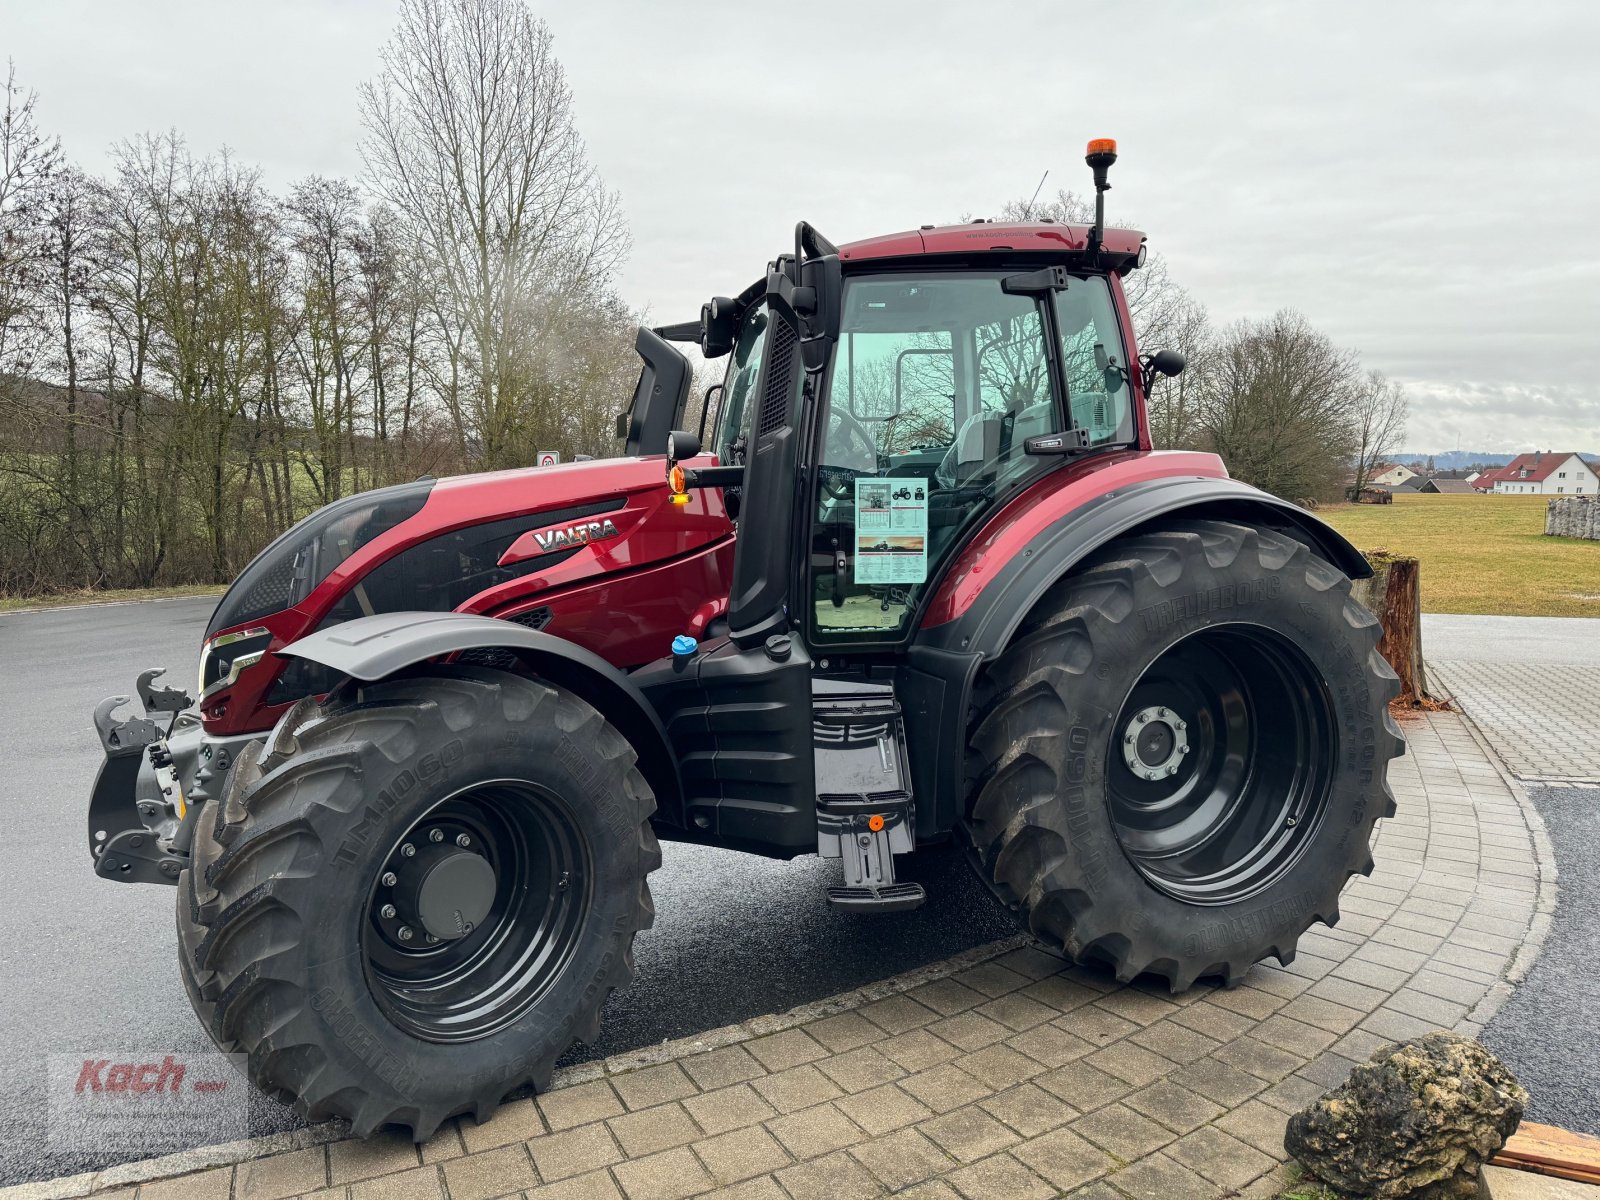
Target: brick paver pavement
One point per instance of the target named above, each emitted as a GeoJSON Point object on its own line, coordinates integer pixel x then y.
{"type": "Point", "coordinates": [1015, 1076]}
{"type": "Point", "coordinates": [1538, 717]}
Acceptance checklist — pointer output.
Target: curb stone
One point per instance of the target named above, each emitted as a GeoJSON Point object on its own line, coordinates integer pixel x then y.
{"type": "Point", "coordinates": [1526, 954]}
{"type": "Point", "coordinates": [225, 1154]}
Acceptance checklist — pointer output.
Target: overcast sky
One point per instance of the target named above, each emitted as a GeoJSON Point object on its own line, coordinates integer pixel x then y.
{"type": "Point", "coordinates": [1420, 179]}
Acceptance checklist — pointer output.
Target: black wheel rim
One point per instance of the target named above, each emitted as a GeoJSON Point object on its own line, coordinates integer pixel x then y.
{"type": "Point", "coordinates": [1221, 761]}
{"type": "Point", "coordinates": [485, 975]}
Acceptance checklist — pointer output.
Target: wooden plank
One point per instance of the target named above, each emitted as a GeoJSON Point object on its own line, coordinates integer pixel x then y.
{"type": "Point", "coordinates": [1551, 1151]}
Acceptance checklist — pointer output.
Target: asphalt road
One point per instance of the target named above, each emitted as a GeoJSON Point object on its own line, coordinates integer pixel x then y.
{"type": "Point", "coordinates": [88, 965]}
{"type": "Point", "coordinates": [1548, 1032]}
{"type": "Point", "coordinates": [1516, 641]}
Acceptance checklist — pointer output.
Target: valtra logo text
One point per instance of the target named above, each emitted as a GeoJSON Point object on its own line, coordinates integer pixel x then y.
{"type": "Point", "coordinates": [567, 537]}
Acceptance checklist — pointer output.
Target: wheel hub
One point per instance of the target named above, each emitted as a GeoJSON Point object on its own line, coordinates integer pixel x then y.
{"type": "Point", "coordinates": [477, 911]}
{"type": "Point", "coordinates": [1155, 742]}
{"type": "Point", "coordinates": [436, 890]}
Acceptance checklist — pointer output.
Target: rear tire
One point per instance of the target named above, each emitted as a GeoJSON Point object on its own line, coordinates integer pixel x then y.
{"type": "Point", "coordinates": [1180, 758]}
{"type": "Point", "coordinates": [307, 931]}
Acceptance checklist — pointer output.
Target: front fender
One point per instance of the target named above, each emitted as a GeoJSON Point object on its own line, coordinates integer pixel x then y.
{"type": "Point", "coordinates": [371, 648]}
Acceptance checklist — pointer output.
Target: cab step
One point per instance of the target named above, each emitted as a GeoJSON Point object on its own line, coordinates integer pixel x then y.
{"type": "Point", "coordinates": [896, 897]}
{"type": "Point", "coordinates": [865, 814]}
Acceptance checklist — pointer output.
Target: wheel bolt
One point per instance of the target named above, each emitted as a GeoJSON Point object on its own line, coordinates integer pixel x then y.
{"type": "Point", "coordinates": [387, 912]}
{"type": "Point", "coordinates": [463, 840]}
{"type": "Point", "coordinates": [404, 933]}
{"type": "Point", "coordinates": [1172, 770]}
{"type": "Point", "coordinates": [466, 927]}
{"type": "Point", "coordinates": [432, 941]}
{"type": "Point", "coordinates": [436, 835]}
{"type": "Point", "coordinates": [1142, 718]}
{"type": "Point", "coordinates": [408, 851]}
{"type": "Point", "coordinates": [388, 879]}
{"type": "Point", "coordinates": [1292, 822]}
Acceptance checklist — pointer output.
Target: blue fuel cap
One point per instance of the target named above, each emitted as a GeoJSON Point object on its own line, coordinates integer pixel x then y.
{"type": "Point", "coordinates": [683, 645]}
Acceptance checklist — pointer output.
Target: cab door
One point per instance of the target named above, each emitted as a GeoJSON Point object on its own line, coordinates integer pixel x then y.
{"type": "Point", "coordinates": [940, 378]}
{"type": "Point", "coordinates": [738, 707]}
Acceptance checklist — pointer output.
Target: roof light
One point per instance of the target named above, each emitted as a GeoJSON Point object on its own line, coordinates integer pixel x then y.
{"type": "Point", "coordinates": [1102, 146]}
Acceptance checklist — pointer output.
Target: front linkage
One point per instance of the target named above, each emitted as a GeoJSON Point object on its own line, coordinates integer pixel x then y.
{"type": "Point", "coordinates": [152, 784]}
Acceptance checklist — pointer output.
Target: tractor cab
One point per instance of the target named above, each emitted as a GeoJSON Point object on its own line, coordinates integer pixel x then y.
{"type": "Point", "coordinates": [881, 402]}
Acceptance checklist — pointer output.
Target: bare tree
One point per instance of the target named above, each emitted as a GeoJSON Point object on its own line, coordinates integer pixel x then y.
{"type": "Point", "coordinates": [324, 215]}
{"type": "Point", "coordinates": [1274, 404]}
{"type": "Point", "coordinates": [471, 141]}
{"type": "Point", "coordinates": [1378, 410]}
{"type": "Point", "coordinates": [1174, 403]}
{"type": "Point", "coordinates": [29, 162]}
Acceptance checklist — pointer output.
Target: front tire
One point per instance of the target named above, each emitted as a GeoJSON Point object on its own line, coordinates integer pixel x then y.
{"type": "Point", "coordinates": [1181, 757]}
{"type": "Point", "coordinates": [408, 904]}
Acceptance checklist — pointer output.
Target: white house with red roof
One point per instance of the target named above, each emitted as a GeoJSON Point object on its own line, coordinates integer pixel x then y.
{"type": "Point", "coordinates": [1541, 473]}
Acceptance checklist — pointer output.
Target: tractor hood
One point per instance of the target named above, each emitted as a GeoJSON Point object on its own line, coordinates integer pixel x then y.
{"type": "Point", "coordinates": [468, 542]}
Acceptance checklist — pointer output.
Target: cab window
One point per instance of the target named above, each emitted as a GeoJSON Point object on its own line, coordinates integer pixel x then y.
{"type": "Point", "coordinates": [938, 382]}
{"type": "Point", "coordinates": [744, 368]}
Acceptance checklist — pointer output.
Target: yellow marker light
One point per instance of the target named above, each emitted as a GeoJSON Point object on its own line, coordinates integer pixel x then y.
{"type": "Point", "coordinates": [875, 822]}
{"type": "Point", "coordinates": [678, 498]}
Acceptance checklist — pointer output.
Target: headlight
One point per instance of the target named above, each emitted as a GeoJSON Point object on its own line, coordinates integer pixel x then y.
{"type": "Point", "coordinates": [223, 658]}
{"type": "Point", "coordinates": [284, 573]}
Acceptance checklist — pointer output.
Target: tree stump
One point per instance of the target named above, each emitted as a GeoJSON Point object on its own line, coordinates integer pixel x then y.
{"type": "Point", "coordinates": [1394, 595]}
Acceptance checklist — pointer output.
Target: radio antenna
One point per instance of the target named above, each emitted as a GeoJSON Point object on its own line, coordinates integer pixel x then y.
{"type": "Point", "coordinates": [1028, 211]}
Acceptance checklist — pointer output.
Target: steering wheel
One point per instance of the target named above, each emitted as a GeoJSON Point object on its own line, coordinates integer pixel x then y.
{"type": "Point", "coordinates": [853, 451]}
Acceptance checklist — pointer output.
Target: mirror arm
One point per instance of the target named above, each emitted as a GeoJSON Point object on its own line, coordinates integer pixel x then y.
{"type": "Point", "coordinates": [713, 477]}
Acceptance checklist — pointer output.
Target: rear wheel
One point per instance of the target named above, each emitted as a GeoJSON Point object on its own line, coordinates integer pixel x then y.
{"type": "Point", "coordinates": [408, 904]}
{"type": "Point", "coordinates": [1181, 757]}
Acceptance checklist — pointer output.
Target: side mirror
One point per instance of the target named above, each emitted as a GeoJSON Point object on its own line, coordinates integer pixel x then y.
{"type": "Point", "coordinates": [807, 289]}
{"type": "Point", "coordinates": [719, 326]}
{"type": "Point", "coordinates": [1168, 362]}
{"type": "Point", "coordinates": [823, 279]}
{"type": "Point", "coordinates": [1162, 362]}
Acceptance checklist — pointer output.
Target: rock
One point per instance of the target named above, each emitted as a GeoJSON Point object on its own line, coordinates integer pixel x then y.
{"type": "Point", "coordinates": [1417, 1120]}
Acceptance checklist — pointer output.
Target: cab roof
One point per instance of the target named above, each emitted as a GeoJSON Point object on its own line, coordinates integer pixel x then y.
{"type": "Point", "coordinates": [984, 236]}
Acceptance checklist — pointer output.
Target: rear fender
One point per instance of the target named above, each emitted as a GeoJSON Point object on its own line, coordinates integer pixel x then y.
{"type": "Point", "coordinates": [371, 648]}
{"type": "Point", "coordinates": [944, 663]}
{"type": "Point", "coordinates": [985, 622]}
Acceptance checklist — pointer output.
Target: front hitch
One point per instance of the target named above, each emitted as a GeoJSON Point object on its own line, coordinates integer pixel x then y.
{"type": "Point", "coordinates": [132, 839]}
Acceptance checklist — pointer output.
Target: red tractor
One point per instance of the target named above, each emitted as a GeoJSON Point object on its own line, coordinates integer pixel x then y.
{"type": "Point", "coordinates": [412, 815]}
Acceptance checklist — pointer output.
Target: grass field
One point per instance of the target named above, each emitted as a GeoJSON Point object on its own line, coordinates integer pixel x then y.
{"type": "Point", "coordinates": [1480, 554]}
{"type": "Point", "coordinates": [114, 596]}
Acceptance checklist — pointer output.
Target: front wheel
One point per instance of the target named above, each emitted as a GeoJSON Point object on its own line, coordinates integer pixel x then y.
{"type": "Point", "coordinates": [410, 903]}
{"type": "Point", "coordinates": [1182, 755]}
